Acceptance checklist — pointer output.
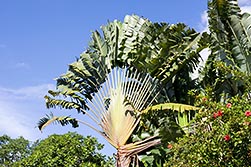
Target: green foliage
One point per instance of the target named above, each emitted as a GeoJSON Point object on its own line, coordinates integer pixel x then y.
{"type": "Point", "coordinates": [230, 43]}
{"type": "Point", "coordinates": [166, 49]}
{"type": "Point", "coordinates": [222, 136]}
{"type": "Point", "coordinates": [170, 53]}
{"type": "Point", "coordinates": [67, 150]}
{"type": "Point", "coordinates": [170, 125]}
{"type": "Point", "coordinates": [13, 150]}
{"type": "Point", "coordinates": [230, 81]}
{"type": "Point", "coordinates": [166, 128]}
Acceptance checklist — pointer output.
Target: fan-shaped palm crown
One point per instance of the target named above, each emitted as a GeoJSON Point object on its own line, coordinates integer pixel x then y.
{"type": "Point", "coordinates": [105, 85]}
{"type": "Point", "coordinates": [117, 104]}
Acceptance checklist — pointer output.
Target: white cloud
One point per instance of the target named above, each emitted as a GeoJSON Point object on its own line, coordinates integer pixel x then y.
{"type": "Point", "coordinates": [246, 9]}
{"type": "Point", "coordinates": [203, 25]}
{"type": "Point", "coordinates": [30, 92]}
{"type": "Point", "coordinates": [19, 110]}
{"type": "Point", "coordinates": [35, 91]}
{"type": "Point", "coordinates": [21, 65]}
{"type": "Point", "coordinates": [204, 55]}
{"type": "Point", "coordinates": [245, 6]}
{"type": "Point", "coordinates": [13, 122]}
{"type": "Point", "coordinates": [244, 2]}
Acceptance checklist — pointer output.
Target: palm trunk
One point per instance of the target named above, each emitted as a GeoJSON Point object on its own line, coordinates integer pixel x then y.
{"type": "Point", "coordinates": [122, 159]}
{"type": "Point", "coordinates": [126, 152]}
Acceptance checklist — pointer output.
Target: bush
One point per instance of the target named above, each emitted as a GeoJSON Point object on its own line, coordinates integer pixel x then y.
{"type": "Point", "coordinates": [221, 137]}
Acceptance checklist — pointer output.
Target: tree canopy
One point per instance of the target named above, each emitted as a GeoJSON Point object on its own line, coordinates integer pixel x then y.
{"type": "Point", "coordinates": [70, 149]}
{"type": "Point", "coordinates": [13, 150]}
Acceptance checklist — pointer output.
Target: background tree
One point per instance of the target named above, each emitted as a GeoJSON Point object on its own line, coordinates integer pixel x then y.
{"type": "Point", "coordinates": [70, 149]}
{"type": "Point", "coordinates": [13, 150]}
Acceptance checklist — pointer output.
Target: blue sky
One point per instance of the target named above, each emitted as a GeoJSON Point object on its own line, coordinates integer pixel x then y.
{"type": "Point", "coordinates": [39, 38]}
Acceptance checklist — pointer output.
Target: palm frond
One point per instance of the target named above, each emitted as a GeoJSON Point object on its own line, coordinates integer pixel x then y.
{"type": "Point", "coordinates": [128, 92]}
{"type": "Point", "coordinates": [124, 93]}
{"type": "Point", "coordinates": [53, 103]}
{"type": "Point", "coordinates": [49, 119]}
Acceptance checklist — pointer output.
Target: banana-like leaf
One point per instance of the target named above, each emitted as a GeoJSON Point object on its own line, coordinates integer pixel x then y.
{"type": "Point", "coordinates": [184, 113]}
{"type": "Point", "coordinates": [230, 43]}
{"type": "Point", "coordinates": [242, 40]}
{"type": "Point", "coordinates": [175, 46]}
{"type": "Point", "coordinates": [171, 106]}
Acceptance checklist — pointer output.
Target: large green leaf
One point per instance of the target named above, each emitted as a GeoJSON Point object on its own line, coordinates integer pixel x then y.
{"type": "Point", "coordinates": [242, 40]}
{"type": "Point", "coordinates": [183, 115]}
{"type": "Point", "coordinates": [230, 43]}
{"type": "Point", "coordinates": [171, 106]}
